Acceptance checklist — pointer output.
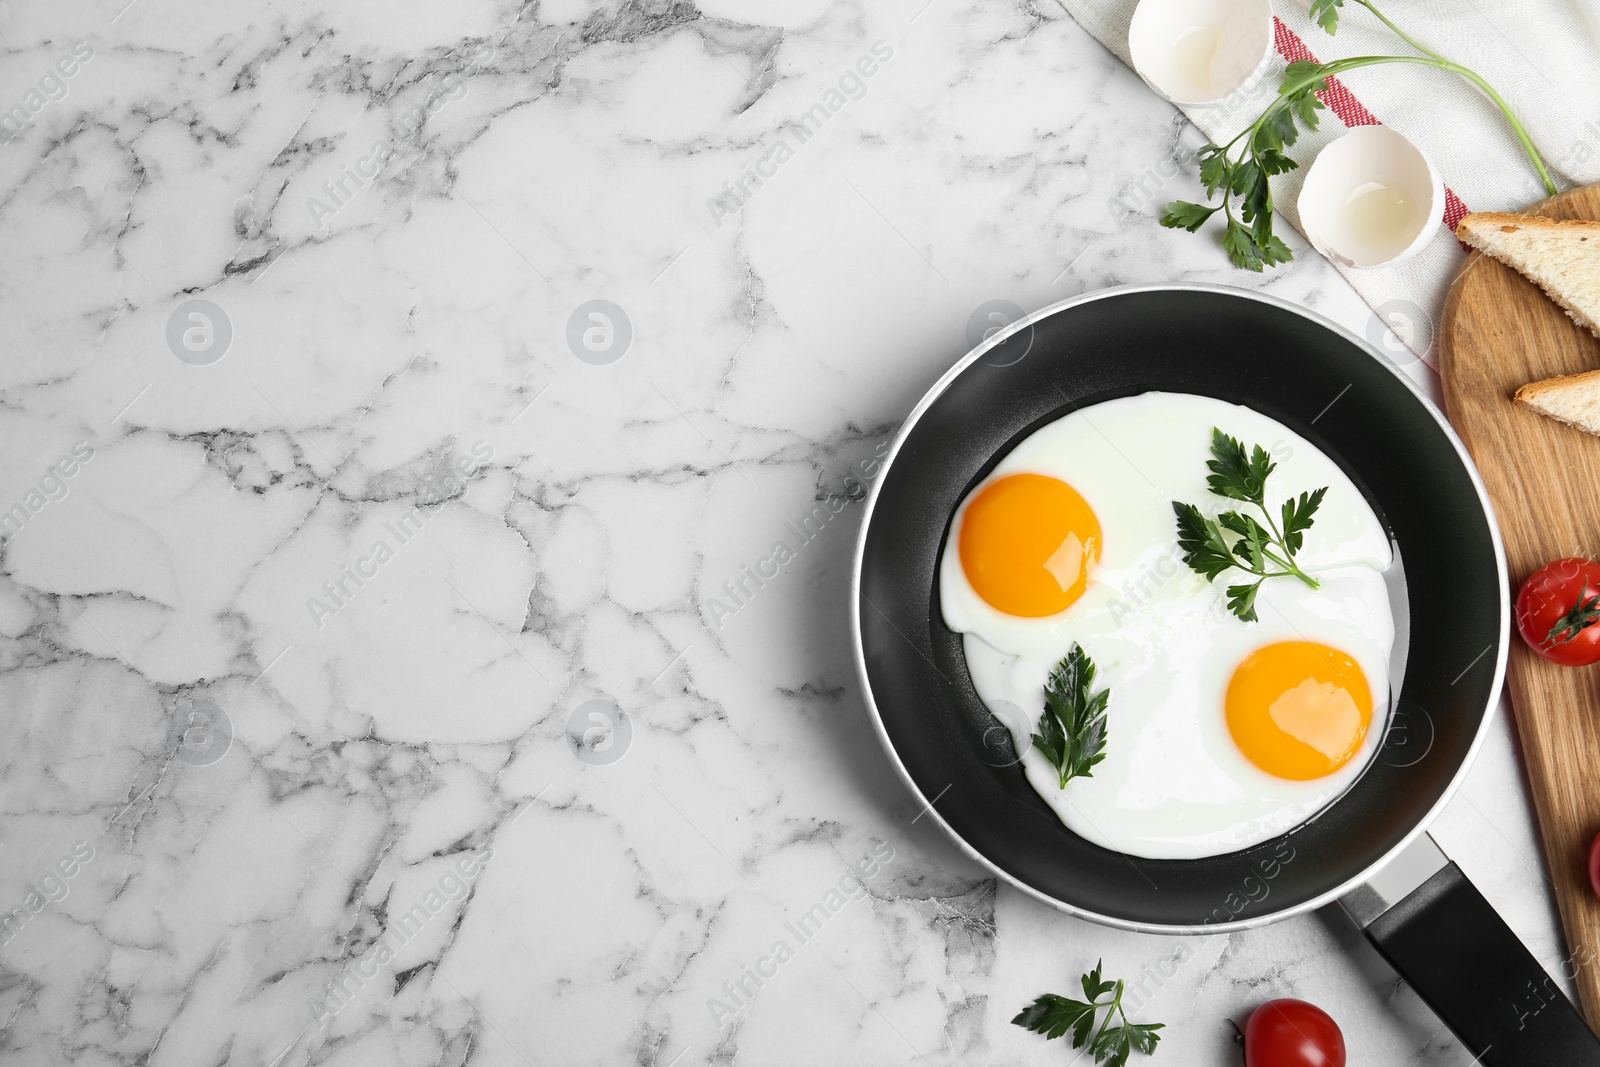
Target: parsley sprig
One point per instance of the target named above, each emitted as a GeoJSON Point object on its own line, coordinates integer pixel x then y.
{"type": "Point", "coordinates": [1266, 551]}
{"type": "Point", "coordinates": [1240, 168]}
{"type": "Point", "coordinates": [1053, 1015]}
{"type": "Point", "coordinates": [1242, 172]}
{"type": "Point", "coordinates": [1072, 731]}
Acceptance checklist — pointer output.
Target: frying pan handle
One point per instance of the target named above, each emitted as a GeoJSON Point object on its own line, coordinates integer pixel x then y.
{"type": "Point", "coordinates": [1452, 947]}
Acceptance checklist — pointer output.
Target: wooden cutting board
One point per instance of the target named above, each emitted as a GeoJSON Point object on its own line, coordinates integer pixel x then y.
{"type": "Point", "coordinates": [1499, 331]}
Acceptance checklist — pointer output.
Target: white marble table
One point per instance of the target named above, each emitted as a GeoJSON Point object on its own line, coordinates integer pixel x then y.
{"type": "Point", "coordinates": [307, 592]}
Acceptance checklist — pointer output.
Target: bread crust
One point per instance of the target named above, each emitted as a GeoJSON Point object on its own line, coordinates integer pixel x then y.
{"type": "Point", "coordinates": [1470, 224]}
{"type": "Point", "coordinates": [1532, 395]}
{"type": "Point", "coordinates": [1534, 390]}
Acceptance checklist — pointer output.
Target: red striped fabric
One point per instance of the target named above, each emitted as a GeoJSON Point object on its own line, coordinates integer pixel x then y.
{"type": "Point", "coordinates": [1352, 112]}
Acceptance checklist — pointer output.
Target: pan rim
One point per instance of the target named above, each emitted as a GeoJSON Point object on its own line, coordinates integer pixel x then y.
{"type": "Point", "coordinates": [858, 650]}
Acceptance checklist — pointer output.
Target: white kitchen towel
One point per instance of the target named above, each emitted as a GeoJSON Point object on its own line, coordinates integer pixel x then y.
{"type": "Point", "coordinates": [1542, 56]}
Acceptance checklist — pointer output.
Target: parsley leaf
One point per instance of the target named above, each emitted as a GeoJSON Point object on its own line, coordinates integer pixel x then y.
{"type": "Point", "coordinates": [1235, 473]}
{"type": "Point", "coordinates": [1072, 730]}
{"type": "Point", "coordinates": [1326, 12]}
{"type": "Point", "coordinates": [1241, 247]}
{"type": "Point", "coordinates": [1183, 215]}
{"type": "Point", "coordinates": [1213, 169]}
{"type": "Point", "coordinates": [1053, 1015]}
{"type": "Point", "coordinates": [1144, 1036]}
{"type": "Point", "coordinates": [1116, 1038]}
{"type": "Point", "coordinates": [1112, 1046]}
{"type": "Point", "coordinates": [1253, 538]}
{"type": "Point", "coordinates": [1095, 987]}
{"type": "Point", "coordinates": [1261, 547]}
{"type": "Point", "coordinates": [1274, 162]}
{"type": "Point", "coordinates": [1242, 600]}
{"type": "Point", "coordinates": [1297, 516]}
{"type": "Point", "coordinates": [1204, 547]}
{"type": "Point", "coordinates": [1306, 105]}
{"type": "Point", "coordinates": [1297, 70]}
{"type": "Point", "coordinates": [1275, 252]}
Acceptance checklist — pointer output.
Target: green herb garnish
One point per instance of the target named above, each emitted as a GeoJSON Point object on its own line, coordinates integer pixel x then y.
{"type": "Point", "coordinates": [1241, 172]}
{"type": "Point", "coordinates": [1265, 551]}
{"type": "Point", "coordinates": [1053, 1015]}
{"type": "Point", "coordinates": [1072, 731]}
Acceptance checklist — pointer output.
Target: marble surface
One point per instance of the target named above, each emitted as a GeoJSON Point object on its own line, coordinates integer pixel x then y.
{"type": "Point", "coordinates": [346, 532]}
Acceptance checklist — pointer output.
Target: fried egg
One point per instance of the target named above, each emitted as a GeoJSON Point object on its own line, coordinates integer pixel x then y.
{"type": "Point", "coordinates": [1220, 733]}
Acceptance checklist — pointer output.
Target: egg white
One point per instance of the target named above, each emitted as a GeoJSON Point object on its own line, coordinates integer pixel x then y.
{"type": "Point", "coordinates": [1173, 784]}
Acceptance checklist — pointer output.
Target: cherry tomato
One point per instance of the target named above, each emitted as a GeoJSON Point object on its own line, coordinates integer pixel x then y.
{"type": "Point", "coordinates": [1557, 608]}
{"type": "Point", "coordinates": [1594, 865]}
{"type": "Point", "coordinates": [1292, 1033]}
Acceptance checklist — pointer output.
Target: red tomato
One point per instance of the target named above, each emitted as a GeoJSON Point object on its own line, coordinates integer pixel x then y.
{"type": "Point", "coordinates": [1292, 1033]}
{"type": "Point", "coordinates": [1557, 608]}
{"type": "Point", "coordinates": [1594, 865]}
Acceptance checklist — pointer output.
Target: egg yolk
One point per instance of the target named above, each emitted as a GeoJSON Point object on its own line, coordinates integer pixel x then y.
{"type": "Point", "coordinates": [1298, 709]}
{"type": "Point", "coordinates": [1027, 542]}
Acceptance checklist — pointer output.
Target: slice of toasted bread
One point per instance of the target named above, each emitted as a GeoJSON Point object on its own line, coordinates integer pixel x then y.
{"type": "Point", "coordinates": [1570, 398]}
{"type": "Point", "coordinates": [1563, 257]}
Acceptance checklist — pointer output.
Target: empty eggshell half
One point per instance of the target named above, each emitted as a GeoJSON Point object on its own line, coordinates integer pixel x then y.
{"type": "Point", "coordinates": [1197, 53]}
{"type": "Point", "coordinates": [1371, 198]}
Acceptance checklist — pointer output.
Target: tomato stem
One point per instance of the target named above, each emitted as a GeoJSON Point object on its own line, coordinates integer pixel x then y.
{"type": "Point", "coordinates": [1581, 616]}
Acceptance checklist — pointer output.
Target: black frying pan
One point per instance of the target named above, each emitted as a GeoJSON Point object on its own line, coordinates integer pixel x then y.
{"type": "Point", "coordinates": [1368, 849]}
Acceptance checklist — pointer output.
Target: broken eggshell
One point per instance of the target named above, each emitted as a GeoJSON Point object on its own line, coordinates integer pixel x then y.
{"type": "Point", "coordinates": [1197, 53]}
{"type": "Point", "coordinates": [1371, 198]}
